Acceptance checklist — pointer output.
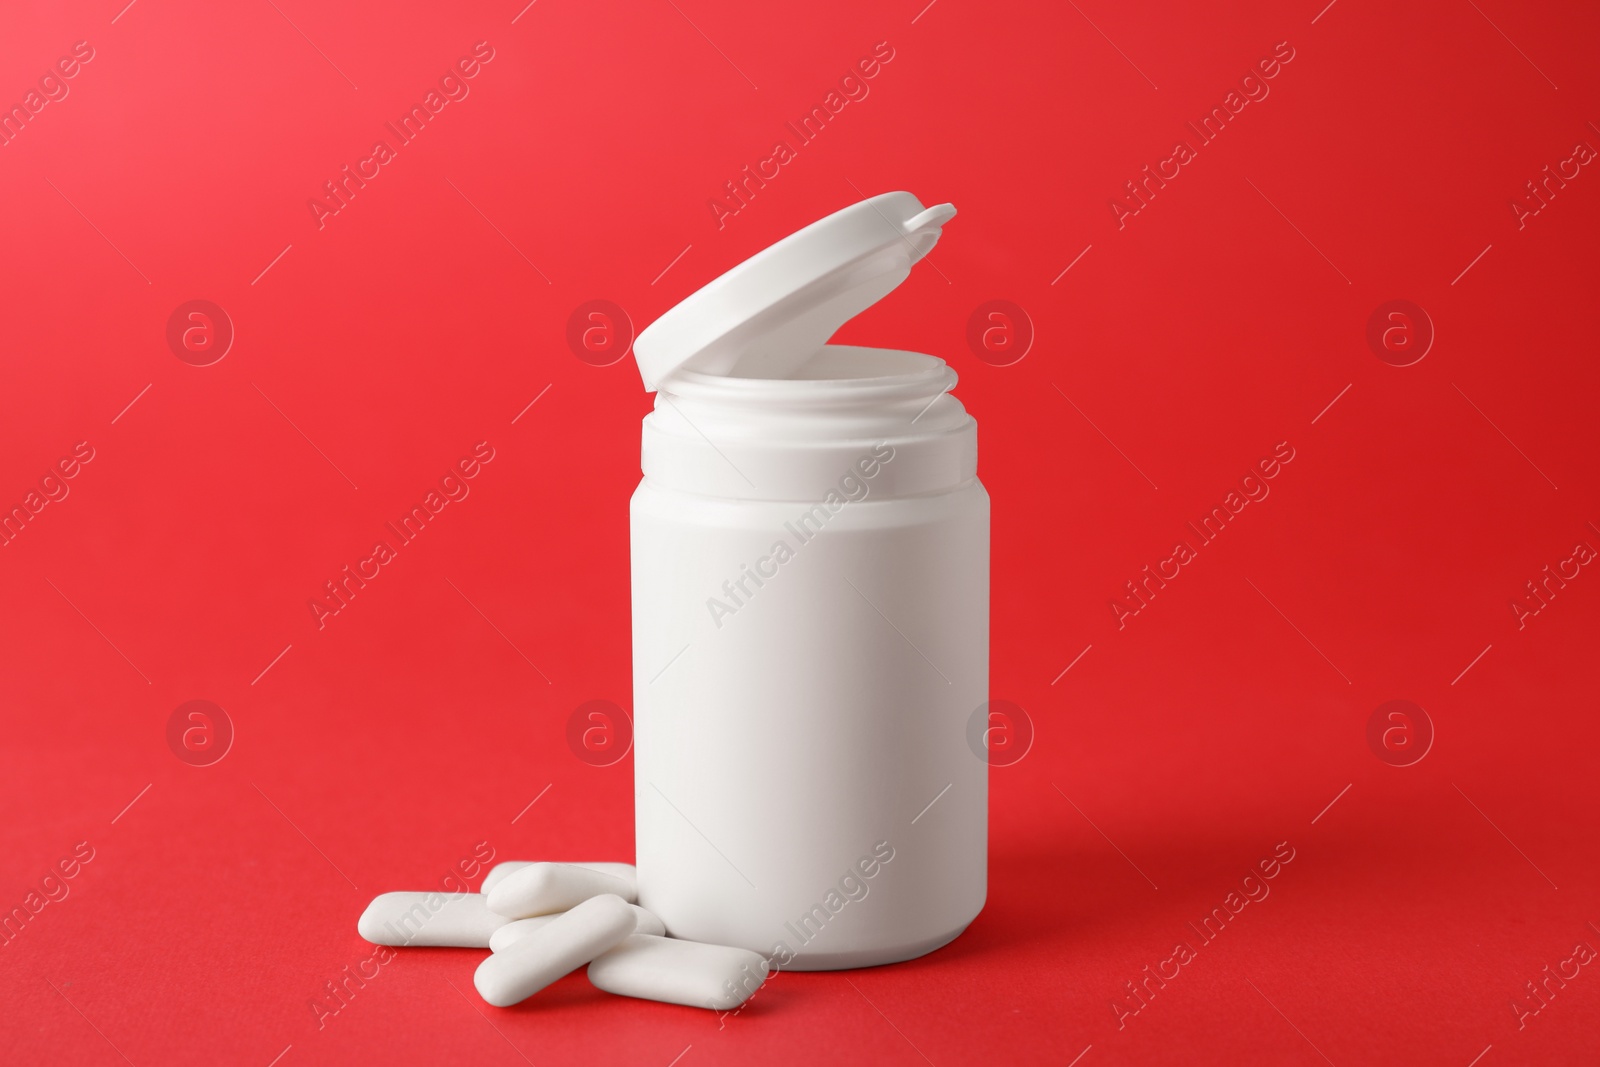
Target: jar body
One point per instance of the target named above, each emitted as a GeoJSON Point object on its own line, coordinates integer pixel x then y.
{"type": "Point", "coordinates": [805, 672]}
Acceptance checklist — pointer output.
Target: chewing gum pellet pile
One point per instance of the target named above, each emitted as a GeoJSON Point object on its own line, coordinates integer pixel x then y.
{"type": "Point", "coordinates": [544, 920]}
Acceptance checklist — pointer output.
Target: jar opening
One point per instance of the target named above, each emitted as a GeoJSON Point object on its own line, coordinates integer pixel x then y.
{"type": "Point", "coordinates": [845, 363]}
{"type": "Point", "coordinates": [836, 371]}
{"type": "Point", "coordinates": [789, 438]}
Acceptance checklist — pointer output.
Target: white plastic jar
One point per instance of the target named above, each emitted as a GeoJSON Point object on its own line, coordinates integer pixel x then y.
{"type": "Point", "coordinates": [810, 552]}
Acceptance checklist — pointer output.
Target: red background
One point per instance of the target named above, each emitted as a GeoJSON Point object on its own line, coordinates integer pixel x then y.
{"type": "Point", "coordinates": [1223, 318]}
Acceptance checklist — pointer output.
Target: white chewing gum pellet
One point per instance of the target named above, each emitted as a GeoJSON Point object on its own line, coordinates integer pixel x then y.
{"type": "Point", "coordinates": [648, 923]}
{"type": "Point", "coordinates": [542, 888]}
{"type": "Point", "coordinates": [436, 920]}
{"type": "Point", "coordinates": [645, 923]}
{"type": "Point", "coordinates": [562, 945]}
{"type": "Point", "coordinates": [680, 972]}
{"type": "Point", "coordinates": [517, 929]}
{"type": "Point", "coordinates": [500, 871]}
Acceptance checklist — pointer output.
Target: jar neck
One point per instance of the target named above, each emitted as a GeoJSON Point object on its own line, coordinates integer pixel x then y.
{"type": "Point", "coordinates": [795, 438]}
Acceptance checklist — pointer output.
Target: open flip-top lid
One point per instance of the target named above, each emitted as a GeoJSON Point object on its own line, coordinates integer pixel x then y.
{"type": "Point", "coordinates": [771, 313]}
